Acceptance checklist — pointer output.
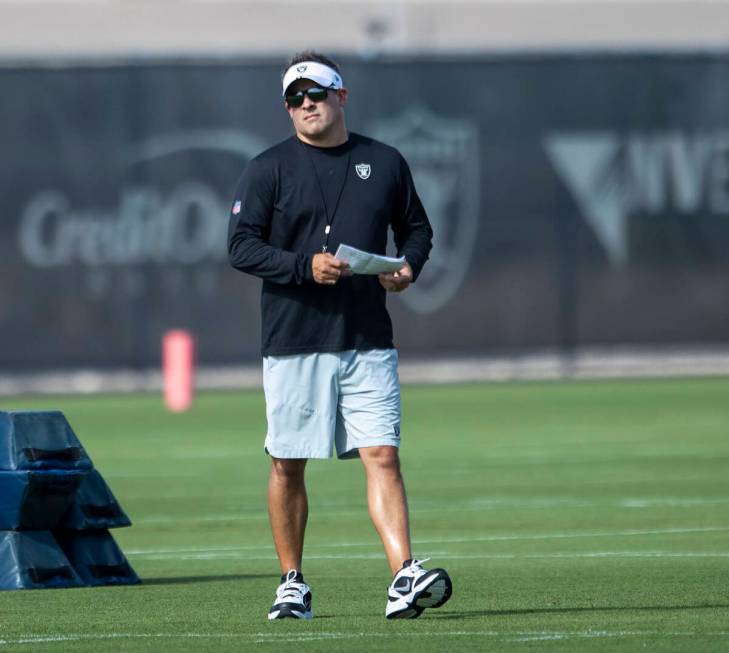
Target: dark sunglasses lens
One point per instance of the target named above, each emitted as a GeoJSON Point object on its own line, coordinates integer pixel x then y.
{"type": "Point", "coordinates": [317, 94]}
{"type": "Point", "coordinates": [295, 100]}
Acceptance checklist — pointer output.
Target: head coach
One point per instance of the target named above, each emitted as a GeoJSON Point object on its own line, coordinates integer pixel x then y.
{"type": "Point", "coordinates": [329, 367]}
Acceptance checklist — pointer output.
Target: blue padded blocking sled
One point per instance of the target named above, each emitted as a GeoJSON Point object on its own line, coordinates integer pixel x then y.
{"type": "Point", "coordinates": [96, 557]}
{"type": "Point", "coordinates": [37, 499]}
{"type": "Point", "coordinates": [39, 440]}
{"type": "Point", "coordinates": [33, 560]}
{"type": "Point", "coordinates": [94, 506]}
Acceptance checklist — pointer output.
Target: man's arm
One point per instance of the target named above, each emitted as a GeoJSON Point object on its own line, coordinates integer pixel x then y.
{"type": "Point", "coordinates": [250, 227]}
{"type": "Point", "coordinates": [412, 231]}
{"type": "Point", "coordinates": [249, 230]}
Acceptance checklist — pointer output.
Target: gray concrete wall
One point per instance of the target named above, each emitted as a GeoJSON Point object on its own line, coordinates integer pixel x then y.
{"type": "Point", "coordinates": [43, 29]}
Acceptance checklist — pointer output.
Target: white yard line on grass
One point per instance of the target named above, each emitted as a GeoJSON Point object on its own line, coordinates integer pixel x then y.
{"type": "Point", "coordinates": [197, 549]}
{"type": "Point", "coordinates": [591, 634]}
{"type": "Point", "coordinates": [473, 505]}
{"type": "Point", "coordinates": [277, 638]}
{"type": "Point", "coordinates": [185, 519]}
{"type": "Point", "coordinates": [271, 556]}
{"type": "Point", "coordinates": [578, 534]}
{"type": "Point", "coordinates": [588, 554]}
{"type": "Point", "coordinates": [231, 555]}
{"type": "Point", "coordinates": [173, 552]}
{"type": "Point", "coordinates": [137, 474]}
{"type": "Point", "coordinates": [671, 502]}
{"type": "Point", "coordinates": [45, 639]}
{"type": "Point", "coordinates": [490, 503]}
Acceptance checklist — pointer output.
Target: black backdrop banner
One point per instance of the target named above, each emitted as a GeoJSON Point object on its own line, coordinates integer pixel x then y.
{"type": "Point", "coordinates": [576, 201]}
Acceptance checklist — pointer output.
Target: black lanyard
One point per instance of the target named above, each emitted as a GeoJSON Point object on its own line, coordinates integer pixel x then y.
{"type": "Point", "coordinates": [329, 219]}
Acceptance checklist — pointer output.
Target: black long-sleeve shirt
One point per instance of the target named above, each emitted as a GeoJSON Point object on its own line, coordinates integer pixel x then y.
{"type": "Point", "coordinates": [285, 198]}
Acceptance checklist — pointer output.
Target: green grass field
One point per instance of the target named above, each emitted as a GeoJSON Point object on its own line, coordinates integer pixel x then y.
{"type": "Point", "coordinates": [588, 516]}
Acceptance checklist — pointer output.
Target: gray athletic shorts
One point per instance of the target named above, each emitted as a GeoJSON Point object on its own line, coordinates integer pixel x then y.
{"type": "Point", "coordinates": [348, 399]}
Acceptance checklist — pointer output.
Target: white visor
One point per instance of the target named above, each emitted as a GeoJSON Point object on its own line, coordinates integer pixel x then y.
{"type": "Point", "coordinates": [315, 71]}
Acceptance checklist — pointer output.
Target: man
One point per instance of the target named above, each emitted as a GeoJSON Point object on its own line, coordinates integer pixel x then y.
{"type": "Point", "coordinates": [329, 367]}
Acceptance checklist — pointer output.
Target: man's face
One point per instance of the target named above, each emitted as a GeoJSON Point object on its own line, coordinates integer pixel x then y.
{"type": "Point", "coordinates": [316, 119]}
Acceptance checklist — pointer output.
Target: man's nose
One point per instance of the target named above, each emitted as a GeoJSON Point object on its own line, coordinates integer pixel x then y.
{"type": "Point", "coordinates": [308, 102]}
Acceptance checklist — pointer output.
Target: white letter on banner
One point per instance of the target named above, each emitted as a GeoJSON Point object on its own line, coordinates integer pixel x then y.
{"type": "Point", "coordinates": [647, 166]}
{"type": "Point", "coordinates": [687, 159]}
{"type": "Point", "coordinates": [42, 238]}
{"type": "Point", "coordinates": [719, 179]}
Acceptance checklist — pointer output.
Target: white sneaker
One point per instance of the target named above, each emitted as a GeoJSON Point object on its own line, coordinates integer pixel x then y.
{"type": "Point", "coordinates": [413, 589]}
{"type": "Point", "coordinates": [293, 598]}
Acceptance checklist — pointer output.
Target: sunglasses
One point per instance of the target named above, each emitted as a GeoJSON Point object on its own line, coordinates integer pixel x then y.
{"type": "Point", "coordinates": [315, 93]}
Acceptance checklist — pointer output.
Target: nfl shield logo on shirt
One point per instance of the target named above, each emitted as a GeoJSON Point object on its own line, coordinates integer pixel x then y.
{"type": "Point", "coordinates": [363, 170]}
{"type": "Point", "coordinates": [236, 208]}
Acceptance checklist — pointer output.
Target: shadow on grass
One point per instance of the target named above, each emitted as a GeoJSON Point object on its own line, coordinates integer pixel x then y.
{"type": "Point", "coordinates": [466, 614]}
{"type": "Point", "coordinates": [183, 580]}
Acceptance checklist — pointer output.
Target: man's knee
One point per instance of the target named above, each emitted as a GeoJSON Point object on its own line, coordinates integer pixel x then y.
{"type": "Point", "coordinates": [288, 470]}
{"type": "Point", "coordinates": [384, 458]}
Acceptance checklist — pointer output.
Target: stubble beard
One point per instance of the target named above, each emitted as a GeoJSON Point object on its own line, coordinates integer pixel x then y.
{"type": "Point", "coordinates": [318, 132]}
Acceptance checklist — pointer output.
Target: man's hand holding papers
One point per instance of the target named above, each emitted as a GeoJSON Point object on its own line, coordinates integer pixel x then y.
{"type": "Point", "coordinates": [395, 274]}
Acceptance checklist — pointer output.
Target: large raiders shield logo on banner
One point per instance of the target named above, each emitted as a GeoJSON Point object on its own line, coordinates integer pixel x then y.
{"type": "Point", "coordinates": [443, 157]}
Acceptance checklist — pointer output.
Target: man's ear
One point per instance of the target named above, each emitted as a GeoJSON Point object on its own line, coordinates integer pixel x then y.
{"type": "Point", "coordinates": [342, 94]}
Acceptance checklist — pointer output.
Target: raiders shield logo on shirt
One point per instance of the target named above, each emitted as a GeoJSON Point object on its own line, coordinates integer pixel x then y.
{"type": "Point", "coordinates": [363, 170]}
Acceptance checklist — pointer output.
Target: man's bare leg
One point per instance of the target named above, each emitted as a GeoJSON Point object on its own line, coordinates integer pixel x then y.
{"type": "Point", "coordinates": [387, 502]}
{"type": "Point", "coordinates": [288, 509]}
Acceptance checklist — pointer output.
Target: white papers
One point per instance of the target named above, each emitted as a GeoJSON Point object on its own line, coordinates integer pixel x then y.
{"type": "Point", "coordinates": [365, 263]}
